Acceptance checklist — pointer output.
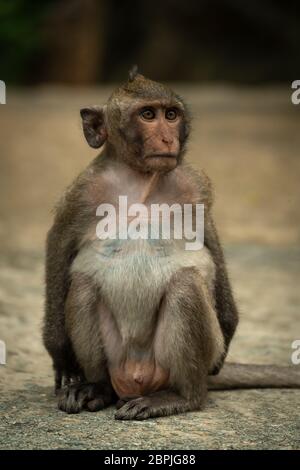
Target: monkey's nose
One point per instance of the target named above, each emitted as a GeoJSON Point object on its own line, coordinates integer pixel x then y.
{"type": "Point", "coordinates": [167, 140]}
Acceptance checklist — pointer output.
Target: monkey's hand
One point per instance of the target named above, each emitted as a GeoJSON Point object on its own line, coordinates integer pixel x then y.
{"type": "Point", "coordinates": [64, 378]}
{"type": "Point", "coordinates": [65, 365]}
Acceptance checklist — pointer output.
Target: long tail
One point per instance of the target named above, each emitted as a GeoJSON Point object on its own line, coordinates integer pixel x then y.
{"type": "Point", "coordinates": [237, 376]}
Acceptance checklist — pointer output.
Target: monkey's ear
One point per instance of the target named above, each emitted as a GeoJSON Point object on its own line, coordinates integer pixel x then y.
{"type": "Point", "coordinates": [94, 129]}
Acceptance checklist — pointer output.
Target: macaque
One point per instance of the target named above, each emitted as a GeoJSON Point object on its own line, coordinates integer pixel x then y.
{"type": "Point", "coordinates": [144, 324]}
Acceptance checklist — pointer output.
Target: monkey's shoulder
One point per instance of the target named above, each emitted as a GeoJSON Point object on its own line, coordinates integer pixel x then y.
{"type": "Point", "coordinates": [195, 185]}
{"type": "Point", "coordinates": [86, 189]}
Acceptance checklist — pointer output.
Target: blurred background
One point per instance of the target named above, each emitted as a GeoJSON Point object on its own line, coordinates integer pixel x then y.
{"type": "Point", "coordinates": [234, 63]}
{"type": "Point", "coordinates": [90, 41]}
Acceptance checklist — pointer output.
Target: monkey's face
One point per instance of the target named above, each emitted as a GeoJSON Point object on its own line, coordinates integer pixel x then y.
{"type": "Point", "coordinates": [154, 135]}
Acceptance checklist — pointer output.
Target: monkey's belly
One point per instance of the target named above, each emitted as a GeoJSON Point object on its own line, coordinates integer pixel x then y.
{"type": "Point", "coordinates": [134, 378]}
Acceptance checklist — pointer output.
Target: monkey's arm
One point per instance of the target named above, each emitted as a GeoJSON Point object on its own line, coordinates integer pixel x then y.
{"type": "Point", "coordinates": [58, 258]}
{"type": "Point", "coordinates": [61, 249]}
{"type": "Point", "coordinates": [225, 305]}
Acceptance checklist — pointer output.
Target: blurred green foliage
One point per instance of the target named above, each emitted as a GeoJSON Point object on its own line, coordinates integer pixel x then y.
{"type": "Point", "coordinates": [21, 38]}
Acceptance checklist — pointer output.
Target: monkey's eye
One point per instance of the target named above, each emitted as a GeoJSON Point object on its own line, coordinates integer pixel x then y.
{"type": "Point", "coordinates": [171, 114]}
{"type": "Point", "coordinates": [148, 114]}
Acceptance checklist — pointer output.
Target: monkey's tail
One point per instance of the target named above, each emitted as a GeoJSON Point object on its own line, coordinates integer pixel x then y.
{"type": "Point", "coordinates": [238, 376]}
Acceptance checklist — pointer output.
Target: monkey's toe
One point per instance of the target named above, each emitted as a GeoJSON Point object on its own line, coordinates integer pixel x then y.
{"type": "Point", "coordinates": [121, 402]}
{"type": "Point", "coordinates": [96, 404]}
{"type": "Point", "coordinates": [76, 397]}
{"type": "Point", "coordinates": [138, 408]}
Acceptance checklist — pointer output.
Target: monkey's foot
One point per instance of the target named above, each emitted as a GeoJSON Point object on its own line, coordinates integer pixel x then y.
{"type": "Point", "coordinates": [217, 367]}
{"type": "Point", "coordinates": [151, 406]}
{"type": "Point", "coordinates": [73, 398]}
{"type": "Point", "coordinates": [121, 402]}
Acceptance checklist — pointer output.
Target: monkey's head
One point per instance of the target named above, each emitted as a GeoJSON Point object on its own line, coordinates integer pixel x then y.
{"type": "Point", "coordinates": [144, 123]}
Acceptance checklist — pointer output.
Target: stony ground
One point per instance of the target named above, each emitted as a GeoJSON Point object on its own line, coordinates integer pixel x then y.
{"type": "Point", "coordinates": [247, 141]}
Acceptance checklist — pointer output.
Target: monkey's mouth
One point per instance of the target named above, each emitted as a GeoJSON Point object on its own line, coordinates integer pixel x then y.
{"type": "Point", "coordinates": [161, 155]}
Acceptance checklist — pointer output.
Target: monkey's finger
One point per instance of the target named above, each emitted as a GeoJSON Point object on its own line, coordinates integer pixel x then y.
{"type": "Point", "coordinates": [121, 402]}
{"type": "Point", "coordinates": [130, 409]}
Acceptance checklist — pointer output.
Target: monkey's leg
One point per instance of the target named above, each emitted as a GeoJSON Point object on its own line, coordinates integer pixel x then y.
{"type": "Point", "coordinates": [188, 341]}
{"type": "Point", "coordinates": [92, 391]}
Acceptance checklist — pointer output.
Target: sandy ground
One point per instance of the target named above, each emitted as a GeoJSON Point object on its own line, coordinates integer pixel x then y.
{"type": "Point", "coordinates": [248, 141]}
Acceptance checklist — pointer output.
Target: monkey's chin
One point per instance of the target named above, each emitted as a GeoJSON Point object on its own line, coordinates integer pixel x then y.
{"type": "Point", "coordinates": [161, 163]}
